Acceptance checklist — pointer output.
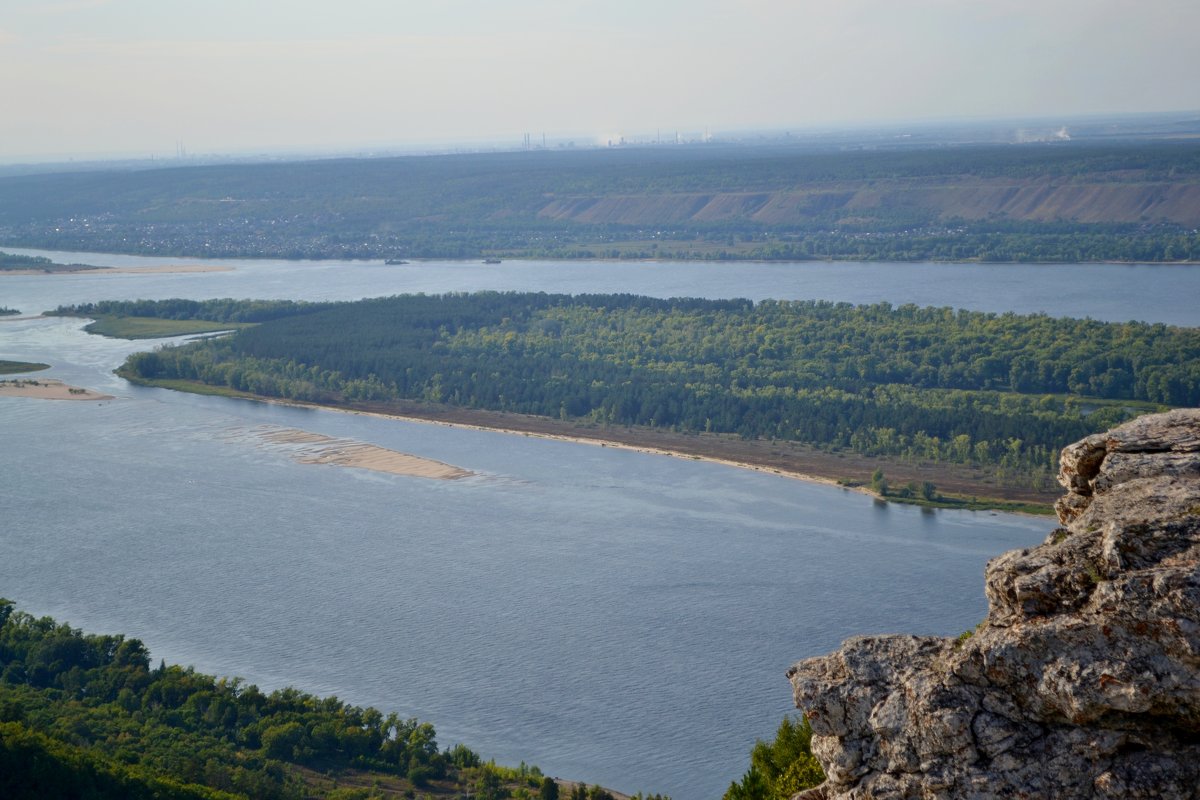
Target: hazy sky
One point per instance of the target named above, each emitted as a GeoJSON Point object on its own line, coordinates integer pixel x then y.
{"type": "Point", "coordinates": [133, 77]}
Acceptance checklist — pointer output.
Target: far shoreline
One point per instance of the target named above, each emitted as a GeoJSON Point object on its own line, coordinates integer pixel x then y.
{"type": "Point", "coordinates": [418, 261]}
{"type": "Point", "coordinates": [513, 256]}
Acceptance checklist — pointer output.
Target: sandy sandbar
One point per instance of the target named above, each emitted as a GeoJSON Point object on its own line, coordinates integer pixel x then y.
{"type": "Point", "coordinates": [47, 389]}
{"type": "Point", "coordinates": [316, 448]}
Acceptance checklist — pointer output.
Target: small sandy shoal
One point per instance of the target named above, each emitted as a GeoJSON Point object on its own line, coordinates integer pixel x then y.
{"type": "Point", "coordinates": [380, 459]}
{"type": "Point", "coordinates": [294, 436]}
{"type": "Point", "coordinates": [47, 389]}
{"type": "Point", "coordinates": [320, 449]}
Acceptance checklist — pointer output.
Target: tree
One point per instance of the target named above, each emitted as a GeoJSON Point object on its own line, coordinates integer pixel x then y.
{"type": "Point", "coordinates": [462, 756]}
{"type": "Point", "coordinates": [281, 741]}
{"type": "Point", "coordinates": [753, 786]}
{"type": "Point", "coordinates": [781, 768]}
{"type": "Point", "coordinates": [488, 785]}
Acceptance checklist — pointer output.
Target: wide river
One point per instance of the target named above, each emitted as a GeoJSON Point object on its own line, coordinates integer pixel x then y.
{"type": "Point", "coordinates": [610, 616]}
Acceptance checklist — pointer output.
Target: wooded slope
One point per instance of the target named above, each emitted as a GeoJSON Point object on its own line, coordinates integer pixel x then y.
{"type": "Point", "coordinates": [1064, 201]}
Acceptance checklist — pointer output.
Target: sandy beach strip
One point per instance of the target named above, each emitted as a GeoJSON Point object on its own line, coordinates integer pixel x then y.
{"type": "Point", "coordinates": [47, 389]}
{"type": "Point", "coordinates": [315, 448]}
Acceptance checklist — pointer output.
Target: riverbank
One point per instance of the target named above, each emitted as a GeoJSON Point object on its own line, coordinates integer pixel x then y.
{"type": "Point", "coordinates": [960, 486]}
{"type": "Point", "coordinates": [48, 389]}
{"type": "Point", "coordinates": [786, 459]}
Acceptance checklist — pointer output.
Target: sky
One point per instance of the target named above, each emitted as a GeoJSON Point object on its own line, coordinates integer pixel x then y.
{"type": "Point", "coordinates": [137, 78]}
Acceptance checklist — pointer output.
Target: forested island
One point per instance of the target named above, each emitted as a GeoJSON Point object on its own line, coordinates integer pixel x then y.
{"type": "Point", "coordinates": [15, 367]}
{"type": "Point", "coordinates": [975, 402]}
{"type": "Point", "coordinates": [89, 716]}
{"type": "Point", "coordinates": [12, 262]}
{"type": "Point", "coordinates": [1136, 200]}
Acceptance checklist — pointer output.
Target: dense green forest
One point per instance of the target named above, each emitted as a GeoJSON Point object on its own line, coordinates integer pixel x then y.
{"type": "Point", "coordinates": [13, 367]}
{"type": "Point", "coordinates": [1031, 202]}
{"type": "Point", "coordinates": [1002, 391]}
{"type": "Point", "coordinates": [88, 716]}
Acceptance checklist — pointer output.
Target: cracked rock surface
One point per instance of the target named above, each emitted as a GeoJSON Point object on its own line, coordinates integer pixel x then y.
{"type": "Point", "coordinates": [1083, 680]}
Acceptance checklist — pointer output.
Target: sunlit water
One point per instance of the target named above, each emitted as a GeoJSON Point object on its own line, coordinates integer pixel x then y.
{"type": "Point", "coordinates": [610, 616]}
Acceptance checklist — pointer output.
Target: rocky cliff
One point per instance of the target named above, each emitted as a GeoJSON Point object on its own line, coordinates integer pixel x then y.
{"type": "Point", "coordinates": [1083, 680]}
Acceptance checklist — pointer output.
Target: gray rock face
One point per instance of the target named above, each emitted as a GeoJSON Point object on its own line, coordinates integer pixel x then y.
{"type": "Point", "coordinates": [1083, 680]}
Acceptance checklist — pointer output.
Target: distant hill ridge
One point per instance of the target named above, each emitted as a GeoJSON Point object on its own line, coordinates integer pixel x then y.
{"type": "Point", "coordinates": [1030, 199]}
{"type": "Point", "coordinates": [1048, 202]}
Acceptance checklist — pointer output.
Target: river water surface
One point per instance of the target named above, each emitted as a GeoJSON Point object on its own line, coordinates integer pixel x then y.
{"type": "Point", "coordinates": [610, 616]}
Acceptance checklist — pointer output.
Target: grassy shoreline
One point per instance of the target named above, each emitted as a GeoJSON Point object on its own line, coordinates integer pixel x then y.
{"type": "Point", "coordinates": [960, 487]}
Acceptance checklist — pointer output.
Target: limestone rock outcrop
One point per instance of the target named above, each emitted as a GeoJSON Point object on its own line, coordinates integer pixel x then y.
{"type": "Point", "coordinates": [1084, 679]}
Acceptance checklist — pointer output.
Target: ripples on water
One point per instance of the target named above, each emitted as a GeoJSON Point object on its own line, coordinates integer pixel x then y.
{"type": "Point", "coordinates": [612, 616]}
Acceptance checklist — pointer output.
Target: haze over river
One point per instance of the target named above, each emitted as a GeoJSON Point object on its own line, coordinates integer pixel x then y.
{"type": "Point", "coordinates": [610, 616]}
